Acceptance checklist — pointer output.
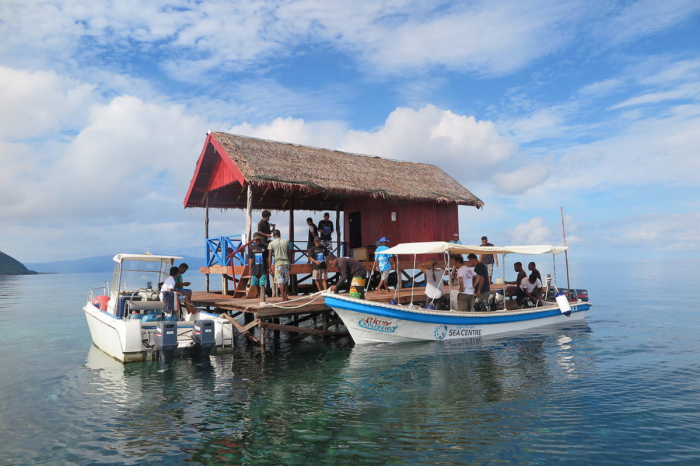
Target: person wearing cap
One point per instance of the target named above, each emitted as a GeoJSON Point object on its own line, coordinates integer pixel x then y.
{"type": "Point", "coordinates": [455, 239]}
{"type": "Point", "coordinates": [488, 259]}
{"type": "Point", "coordinates": [385, 264]}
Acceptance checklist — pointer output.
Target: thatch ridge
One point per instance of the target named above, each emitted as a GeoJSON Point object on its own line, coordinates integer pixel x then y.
{"type": "Point", "coordinates": [294, 166]}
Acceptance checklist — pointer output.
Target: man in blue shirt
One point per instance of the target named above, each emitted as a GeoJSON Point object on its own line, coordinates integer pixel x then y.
{"type": "Point", "coordinates": [455, 239]}
{"type": "Point", "coordinates": [385, 264]}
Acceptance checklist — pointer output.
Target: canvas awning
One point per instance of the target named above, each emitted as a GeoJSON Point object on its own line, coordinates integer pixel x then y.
{"type": "Point", "coordinates": [143, 257]}
{"type": "Point", "coordinates": [439, 247]}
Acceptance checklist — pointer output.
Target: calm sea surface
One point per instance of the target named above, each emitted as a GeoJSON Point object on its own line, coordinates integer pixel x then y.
{"type": "Point", "coordinates": [624, 388]}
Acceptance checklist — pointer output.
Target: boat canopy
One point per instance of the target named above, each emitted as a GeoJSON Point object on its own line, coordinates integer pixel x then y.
{"type": "Point", "coordinates": [439, 247]}
{"type": "Point", "coordinates": [143, 257]}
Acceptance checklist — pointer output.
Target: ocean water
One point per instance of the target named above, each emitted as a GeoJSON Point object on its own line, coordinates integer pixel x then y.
{"type": "Point", "coordinates": [623, 388]}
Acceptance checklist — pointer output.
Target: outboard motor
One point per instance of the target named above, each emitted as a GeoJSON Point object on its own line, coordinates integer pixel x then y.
{"type": "Point", "coordinates": [166, 341]}
{"type": "Point", "coordinates": [203, 337]}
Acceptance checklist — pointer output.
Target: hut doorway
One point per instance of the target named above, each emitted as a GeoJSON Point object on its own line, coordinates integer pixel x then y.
{"type": "Point", "coordinates": [355, 233]}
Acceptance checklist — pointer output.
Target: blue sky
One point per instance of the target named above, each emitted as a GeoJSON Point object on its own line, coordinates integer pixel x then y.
{"type": "Point", "coordinates": [532, 105]}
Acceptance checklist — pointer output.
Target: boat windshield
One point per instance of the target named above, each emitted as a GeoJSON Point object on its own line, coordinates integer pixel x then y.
{"type": "Point", "coordinates": [136, 275]}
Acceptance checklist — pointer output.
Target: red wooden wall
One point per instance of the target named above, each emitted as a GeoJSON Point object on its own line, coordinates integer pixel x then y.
{"type": "Point", "coordinates": [415, 222]}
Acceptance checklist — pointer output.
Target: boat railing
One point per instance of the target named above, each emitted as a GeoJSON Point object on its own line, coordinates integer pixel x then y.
{"type": "Point", "coordinates": [104, 288]}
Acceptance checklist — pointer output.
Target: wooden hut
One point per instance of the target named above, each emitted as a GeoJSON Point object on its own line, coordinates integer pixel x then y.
{"type": "Point", "coordinates": [404, 201]}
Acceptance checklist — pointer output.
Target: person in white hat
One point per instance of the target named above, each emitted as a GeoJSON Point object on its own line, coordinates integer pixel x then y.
{"type": "Point", "coordinates": [455, 239]}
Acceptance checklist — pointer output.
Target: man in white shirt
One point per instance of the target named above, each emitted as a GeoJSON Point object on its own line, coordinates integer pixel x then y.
{"type": "Point", "coordinates": [169, 283]}
{"type": "Point", "coordinates": [531, 288]}
{"type": "Point", "coordinates": [465, 276]}
{"type": "Point", "coordinates": [434, 286]}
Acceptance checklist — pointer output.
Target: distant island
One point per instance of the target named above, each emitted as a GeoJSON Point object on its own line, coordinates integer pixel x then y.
{"type": "Point", "coordinates": [98, 264]}
{"type": "Point", "coordinates": [11, 266]}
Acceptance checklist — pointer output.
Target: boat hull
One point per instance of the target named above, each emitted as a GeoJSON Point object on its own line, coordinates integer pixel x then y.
{"type": "Point", "coordinates": [123, 339]}
{"type": "Point", "coordinates": [370, 322]}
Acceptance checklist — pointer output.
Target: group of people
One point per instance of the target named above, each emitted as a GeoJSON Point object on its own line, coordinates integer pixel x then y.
{"type": "Point", "coordinates": [526, 289]}
{"type": "Point", "coordinates": [269, 247]}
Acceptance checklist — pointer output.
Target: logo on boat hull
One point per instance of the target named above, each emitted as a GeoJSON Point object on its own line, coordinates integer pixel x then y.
{"type": "Point", "coordinates": [440, 332]}
{"type": "Point", "coordinates": [372, 323]}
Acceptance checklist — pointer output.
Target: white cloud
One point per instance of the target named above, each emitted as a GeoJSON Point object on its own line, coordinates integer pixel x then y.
{"type": "Point", "coordinates": [38, 102]}
{"type": "Point", "coordinates": [601, 87]}
{"type": "Point", "coordinates": [461, 145]}
{"type": "Point", "coordinates": [392, 37]}
{"type": "Point", "coordinates": [684, 91]}
{"type": "Point", "coordinates": [535, 231]}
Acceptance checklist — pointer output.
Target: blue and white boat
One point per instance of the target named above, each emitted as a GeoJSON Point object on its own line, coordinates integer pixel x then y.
{"type": "Point", "coordinates": [374, 322]}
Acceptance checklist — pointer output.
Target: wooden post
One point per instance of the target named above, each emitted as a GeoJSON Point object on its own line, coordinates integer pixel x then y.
{"type": "Point", "coordinates": [206, 237]}
{"type": "Point", "coordinates": [292, 278]}
{"type": "Point", "coordinates": [248, 213]}
{"type": "Point", "coordinates": [337, 227]}
{"type": "Point", "coordinates": [224, 284]}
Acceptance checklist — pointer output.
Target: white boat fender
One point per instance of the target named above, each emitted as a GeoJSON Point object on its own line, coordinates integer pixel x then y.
{"type": "Point", "coordinates": [563, 303]}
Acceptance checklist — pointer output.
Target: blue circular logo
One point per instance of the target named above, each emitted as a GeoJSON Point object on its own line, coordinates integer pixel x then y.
{"type": "Point", "coordinates": [440, 332]}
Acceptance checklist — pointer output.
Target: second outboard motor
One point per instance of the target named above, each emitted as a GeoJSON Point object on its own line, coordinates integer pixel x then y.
{"type": "Point", "coordinates": [203, 337]}
{"type": "Point", "coordinates": [166, 340]}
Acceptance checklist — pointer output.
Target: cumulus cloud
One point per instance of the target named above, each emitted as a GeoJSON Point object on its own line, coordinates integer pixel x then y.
{"type": "Point", "coordinates": [534, 231]}
{"type": "Point", "coordinates": [463, 146]}
{"type": "Point", "coordinates": [38, 102]}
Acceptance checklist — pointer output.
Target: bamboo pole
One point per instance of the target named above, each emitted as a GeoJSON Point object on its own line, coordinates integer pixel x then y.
{"type": "Point", "coordinates": [248, 213]}
{"type": "Point", "coordinates": [566, 255]}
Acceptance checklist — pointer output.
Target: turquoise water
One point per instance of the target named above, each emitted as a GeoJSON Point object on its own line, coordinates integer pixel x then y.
{"type": "Point", "coordinates": [621, 389]}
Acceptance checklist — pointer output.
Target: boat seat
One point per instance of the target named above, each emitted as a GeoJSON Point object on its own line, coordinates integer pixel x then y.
{"type": "Point", "coordinates": [145, 306]}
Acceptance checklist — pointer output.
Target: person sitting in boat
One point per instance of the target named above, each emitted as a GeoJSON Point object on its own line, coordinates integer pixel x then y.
{"type": "Point", "coordinates": [434, 286]}
{"type": "Point", "coordinates": [533, 270]}
{"type": "Point", "coordinates": [180, 285]}
{"type": "Point", "coordinates": [317, 256]}
{"type": "Point", "coordinates": [465, 277]}
{"type": "Point", "coordinates": [482, 288]}
{"type": "Point", "coordinates": [512, 291]}
{"type": "Point", "coordinates": [257, 264]}
{"type": "Point", "coordinates": [385, 264]}
{"type": "Point", "coordinates": [350, 270]}
{"type": "Point", "coordinates": [531, 288]}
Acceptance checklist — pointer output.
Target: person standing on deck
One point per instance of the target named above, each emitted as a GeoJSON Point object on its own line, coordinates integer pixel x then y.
{"type": "Point", "coordinates": [313, 233]}
{"type": "Point", "coordinates": [488, 259]}
{"type": "Point", "coordinates": [455, 239]}
{"type": "Point", "coordinates": [434, 286]}
{"type": "Point", "coordinates": [279, 248]}
{"type": "Point", "coordinates": [325, 228]}
{"type": "Point", "coordinates": [350, 269]}
{"type": "Point", "coordinates": [317, 256]}
{"type": "Point", "coordinates": [465, 276]}
{"type": "Point", "coordinates": [482, 288]}
{"type": "Point", "coordinates": [265, 227]}
{"type": "Point", "coordinates": [257, 264]}
{"type": "Point", "coordinates": [385, 264]}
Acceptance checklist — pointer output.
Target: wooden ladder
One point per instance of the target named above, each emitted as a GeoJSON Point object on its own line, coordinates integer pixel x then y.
{"type": "Point", "coordinates": [242, 284]}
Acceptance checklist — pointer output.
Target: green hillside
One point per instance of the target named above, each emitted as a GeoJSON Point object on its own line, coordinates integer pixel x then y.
{"type": "Point", "coordinates": [11, 266]}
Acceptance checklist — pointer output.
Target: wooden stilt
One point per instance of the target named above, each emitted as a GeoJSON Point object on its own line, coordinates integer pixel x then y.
{"type": "Point", "coordinates": [337, 228]}
{"type": "Point", "coordinates": [206, 237]}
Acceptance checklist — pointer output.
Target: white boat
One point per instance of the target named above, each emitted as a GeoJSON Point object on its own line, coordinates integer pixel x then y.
{"type": "Point", "coordinates": [120, 320]}
{"type": "Point", "coordinates": [374, 322]}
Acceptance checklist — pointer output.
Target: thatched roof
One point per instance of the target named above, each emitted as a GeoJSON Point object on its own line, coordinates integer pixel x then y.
{"type": "Point", "coordinates": [327, 175]}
